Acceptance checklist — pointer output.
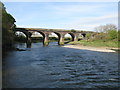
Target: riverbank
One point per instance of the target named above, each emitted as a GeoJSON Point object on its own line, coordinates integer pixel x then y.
{"type": "Point", "coordinates": [96, 43]}
{"type": "Point", "coordinates": [99, 49]}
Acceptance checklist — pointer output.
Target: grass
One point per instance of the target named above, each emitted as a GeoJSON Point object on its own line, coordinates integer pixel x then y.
{"type": "Point", "coordinates": [97, 43]}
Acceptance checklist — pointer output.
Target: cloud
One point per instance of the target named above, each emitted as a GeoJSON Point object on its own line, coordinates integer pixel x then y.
{"type": "Point", "coordinates": [81, 16]}
{"type": "Point", "coordinates": [77, 9]}
{"type": "Point", "coordinates": [89, 23]}
{"type": "Point", "coordinates": [99, 19]}
{"type": "Point", "coordinates": [83, 23]}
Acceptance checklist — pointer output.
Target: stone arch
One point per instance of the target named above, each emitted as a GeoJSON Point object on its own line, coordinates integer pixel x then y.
{"type": "Point", "coordinates": [58, 35]}
{"type": "Point", "coordinates": [20, 36]}
{"type": "Point", "coordinates": [43, 35]}
{"type": "Point", "coordinates": [83, 34]}
{"type": "Point", "coordinates": [72, 35]}
{"type": "Point", "coordinates": [53, 36]}
{"type": "Point", "coordinates": [28, 36]}
{"type": "Point", "coordinates": [40, 33]}
{"type": "Point", "coordinates": [80, 36]}
{"type": "Point", "coordinates": [20, 33]}
{"type": "Point", "coordinates": [24, 32]}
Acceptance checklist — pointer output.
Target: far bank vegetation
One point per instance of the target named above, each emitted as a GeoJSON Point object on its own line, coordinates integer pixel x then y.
{"type": "Point", "coordinates": [105, 36]}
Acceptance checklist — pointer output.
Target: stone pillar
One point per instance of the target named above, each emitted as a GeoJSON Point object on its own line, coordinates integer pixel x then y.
{"type": "Point", "coordinates": [61, 39]}
{"type": "Point", "coordinates": [46, 39]}
{"type": "Point", "coordinates": [76, 37]}
{"type": "Point", "coordinates": [29, 43]}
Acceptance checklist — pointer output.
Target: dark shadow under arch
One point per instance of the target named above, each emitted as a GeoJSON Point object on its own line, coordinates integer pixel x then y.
{"type": "Point", "coordinates": [21, 36]}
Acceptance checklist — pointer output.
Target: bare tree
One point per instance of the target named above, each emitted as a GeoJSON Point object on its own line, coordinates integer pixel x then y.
{"type": "Point", "coordinates": [105, 28]}
{"type": "Point", "coordinates": [99, 28]}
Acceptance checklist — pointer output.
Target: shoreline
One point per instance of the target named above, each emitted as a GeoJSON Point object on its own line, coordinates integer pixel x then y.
{"type": "Point", "coordinates": [98, 49]}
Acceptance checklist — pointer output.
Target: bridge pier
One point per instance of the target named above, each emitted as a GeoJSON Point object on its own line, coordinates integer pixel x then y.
{"type": "Point", "coordinates": [46, 40]}
{"type": "Point", "coordinates": [61, 39]}
{"type": "Point", "coordinates": [28, 42]}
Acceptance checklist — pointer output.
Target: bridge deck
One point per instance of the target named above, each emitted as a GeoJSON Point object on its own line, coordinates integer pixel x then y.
{"type": "Point", "coordinates": [52, 30]}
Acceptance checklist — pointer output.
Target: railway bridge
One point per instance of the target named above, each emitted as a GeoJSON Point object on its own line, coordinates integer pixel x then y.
{"type": "Point", "coordinates": [46, 32]}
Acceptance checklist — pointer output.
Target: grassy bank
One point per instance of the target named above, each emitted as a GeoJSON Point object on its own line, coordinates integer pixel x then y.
{"type": "Point", "coordinates": [97, 43]}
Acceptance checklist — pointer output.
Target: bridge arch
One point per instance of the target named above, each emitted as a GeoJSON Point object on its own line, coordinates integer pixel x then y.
{"type": "Point", "coordinates": [58, 36]}
{"type": "Point", "coordinates": [72, 35]}
{"type": "Point", "coordinates": [28, 36]}
{"type": "Point", "coordinates": [20, 36]}
{"type": "Point", "coordinates": [19, 33]}
{"type": "Point", "coordinates": [57, 33]}
{"type": "Point", "coordinates": [40, 32]}
{"type": "Point", "coordinates": [36, 35]}
{"type": "Point", "coordinates": [22, 32]}
{"type": "Point", "coordinates": [83, 34]}
{"type": "Point", "coordinates": [53, 36]}
{"type": "Point", "coordinates": [45, 36]}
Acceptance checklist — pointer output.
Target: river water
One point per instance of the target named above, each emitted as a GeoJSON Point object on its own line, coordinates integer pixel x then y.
{"type": "Point", "coordinates": [58, 67]}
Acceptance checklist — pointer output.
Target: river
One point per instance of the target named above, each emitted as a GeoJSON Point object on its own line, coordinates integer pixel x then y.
{"type": "Point", "coordinates": [58, 67]}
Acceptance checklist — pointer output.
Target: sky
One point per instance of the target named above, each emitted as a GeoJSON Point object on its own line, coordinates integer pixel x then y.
{"type": "Point", "coordinates": [63, 15]}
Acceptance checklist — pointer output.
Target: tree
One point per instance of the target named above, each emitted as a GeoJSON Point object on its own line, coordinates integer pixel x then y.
{"type": "Point", "coordinates": [105, 28]}
{"type": "Point", "coordinates": [88, 36]}
{"type": "Point", "coordinates": [99, 28]}
{"type": "Point", "coordinates": [72, 30]}
{"type": "Point", "coordinates": [113, 34]}
{"type": "Point", "coordinates": [8, 27]}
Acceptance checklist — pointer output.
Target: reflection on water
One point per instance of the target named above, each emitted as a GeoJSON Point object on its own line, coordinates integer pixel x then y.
{"type": "Point", "coordinates": [59, 67]}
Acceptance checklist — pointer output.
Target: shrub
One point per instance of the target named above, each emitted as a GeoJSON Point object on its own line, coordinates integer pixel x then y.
{"type": "Point", "coordinates": [112, 34]}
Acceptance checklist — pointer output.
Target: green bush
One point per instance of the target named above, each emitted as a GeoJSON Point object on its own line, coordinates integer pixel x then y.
{"type": "Point", "coordinates": [113, 34]}
{"type": "Point", "coordinates": [73, 30]}
{"type": "Point", "coordinates": [88, 36]}
{"type": "Point", "coordinates": [100, 36]}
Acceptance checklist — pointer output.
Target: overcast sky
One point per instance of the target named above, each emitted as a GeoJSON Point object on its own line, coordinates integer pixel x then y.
{"type": "Point", "coordinates": [63, 15]}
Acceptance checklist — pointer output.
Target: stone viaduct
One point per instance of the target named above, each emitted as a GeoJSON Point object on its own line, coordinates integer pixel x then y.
{"type": "Point", "coordinates": [46, 32]}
